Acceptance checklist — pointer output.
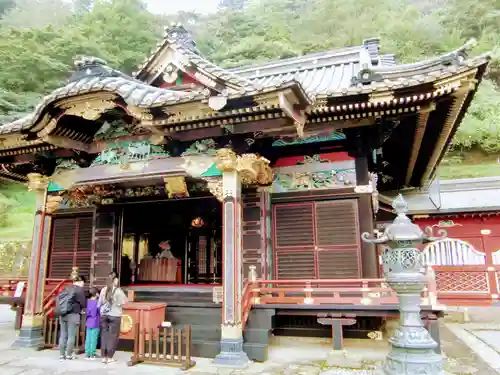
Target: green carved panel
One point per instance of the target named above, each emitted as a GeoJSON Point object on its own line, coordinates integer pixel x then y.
{"type": "Point", "coordinates": [295, 181]}
{"type": "Point", "coordinates": [119, 153]}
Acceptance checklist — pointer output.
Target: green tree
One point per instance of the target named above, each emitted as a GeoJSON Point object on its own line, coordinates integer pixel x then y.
{"type": "Point", "coordinates": [123, 31]}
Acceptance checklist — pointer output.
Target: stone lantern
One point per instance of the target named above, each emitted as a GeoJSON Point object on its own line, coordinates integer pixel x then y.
{"type": "Point", "coordinates": [412, 347]}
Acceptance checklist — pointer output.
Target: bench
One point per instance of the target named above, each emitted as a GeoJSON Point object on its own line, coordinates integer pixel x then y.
{"type": "Point", "coordinates": [339, 316]}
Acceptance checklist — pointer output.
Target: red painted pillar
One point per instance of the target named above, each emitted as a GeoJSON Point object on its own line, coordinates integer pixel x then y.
{"type": "Point", "coordinates": [31, 330]}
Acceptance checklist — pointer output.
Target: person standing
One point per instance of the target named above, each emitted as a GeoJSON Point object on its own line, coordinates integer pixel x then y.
{"type": "Point", "coordinates": [92, 324]}
{"type": "Point", "coordinates": [69, 306]}
{"type": "Point", "coordinates": [111, 301]}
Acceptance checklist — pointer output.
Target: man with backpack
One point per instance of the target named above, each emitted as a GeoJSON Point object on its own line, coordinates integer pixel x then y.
{"type": "Point", "coordinates": [69, 306]}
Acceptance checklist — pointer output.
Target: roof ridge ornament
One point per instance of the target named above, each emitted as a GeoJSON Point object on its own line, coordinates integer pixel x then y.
{"type": "Point", "coordinates": [460, 55]}
{"type": "Point", "coordinates": [93, 66]}
{"type": "Point", "coordinates": [81, 62]}
{"type": "Point", "coordinates": [178, 33]}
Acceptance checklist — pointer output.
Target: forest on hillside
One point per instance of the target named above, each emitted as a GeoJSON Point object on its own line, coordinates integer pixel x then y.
{"type": "Point", "coordinates": [37, 52]}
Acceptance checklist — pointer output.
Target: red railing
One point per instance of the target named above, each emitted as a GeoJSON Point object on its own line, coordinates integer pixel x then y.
{"type": "Point", "coordinates": [52, 288]}
{"type": "Point", "coordinates": [324, 292]}
{"type": "Point", "coordinates": [246, 301]}
{"type": "Point", "coordinates": [51, 294]}
{"type": "Point", "coordinates": [8, 285]}
{"type": "Point", "coordinates": [468, 285]}
{"type": "Point", "coordinates": [321, 292]}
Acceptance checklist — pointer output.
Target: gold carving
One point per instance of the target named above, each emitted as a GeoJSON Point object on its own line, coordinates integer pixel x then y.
{"type": "Point", "coordinates": [269, 99]}
{"type": "Point", "coordinates": [74, 273]}
{"type": "Point", "coordinates": [187, 111]}
{"type": "Point", "coordinates": [15, 141]}
{"type": "Point", "coordinates": [140, 113]}
{"type": "Point", "coordinates": [53, 202]}
{"type": "Point", "coordinates": [215, 187]}
{"type": "Point", "coordinates": [248, 168]}
{"type": "Point", "coordinates": [89, 110]}
{"type": "Point", "coordinates": [37, 182]}
{"type": "Point", "coordinates": [254, 169]}
{"type": "Point", "coordinates": [381, 97]}
{"type": "Point", "coordinates": [127, 324]}
{"type": "Point", "coordinates": [226, 160]}
{"type": "Point", "coordinates": [176, 187]}
{"type": "Point", "coordinates": [375, 335]}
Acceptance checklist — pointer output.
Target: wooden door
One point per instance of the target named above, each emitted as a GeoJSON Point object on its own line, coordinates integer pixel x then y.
{"type": "Point", "coordinates": [316, 240]}
{"type": "Point", "coordinates": [70, 246]}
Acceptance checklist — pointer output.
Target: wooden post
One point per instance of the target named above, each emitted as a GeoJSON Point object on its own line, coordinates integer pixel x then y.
{"type": "Point", "coordinates": [337, 322]}
{"type": "Point", "coordinates": [31, 335]}
{"type": "Point", "coordinates": [231, 353]}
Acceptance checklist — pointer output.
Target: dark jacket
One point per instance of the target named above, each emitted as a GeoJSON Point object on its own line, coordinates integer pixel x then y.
{"type": "Point", "coordinates": [79, 302]}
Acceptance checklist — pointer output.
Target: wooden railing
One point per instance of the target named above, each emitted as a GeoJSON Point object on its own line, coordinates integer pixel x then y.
{"type": "Point", "coordinates": [246, 301]}
{"type": "Point", "coordinates": [320, 292]}
{"type": "Point", "coordinates": [51, 332]}
{"type": "Point", "coordinates": [52, 293]}
{"type": "Point", "coordinates": [477, 285]}
{"type": "Point", "coordinates": [8, 285]}
{"type": "Point", "coordinates": [166, 346]}
{"type": "Point", "coordinates": [326, 292]}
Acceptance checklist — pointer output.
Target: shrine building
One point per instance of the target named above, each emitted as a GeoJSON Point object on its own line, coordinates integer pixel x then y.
{"type": "Point", "coordinates": [192, 181]}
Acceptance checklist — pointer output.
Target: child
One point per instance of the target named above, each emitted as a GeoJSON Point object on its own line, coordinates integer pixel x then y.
{"type": "Point", "coordinates": [92, 324]}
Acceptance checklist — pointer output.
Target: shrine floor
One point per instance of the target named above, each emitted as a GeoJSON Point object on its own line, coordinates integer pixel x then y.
{"type": "Point", "coordinates": [288, 356]}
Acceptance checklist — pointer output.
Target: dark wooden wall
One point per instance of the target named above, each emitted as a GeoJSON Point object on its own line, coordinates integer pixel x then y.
{"type": "Point", "coordinates": [104, 244]}
{"type": "Point", "coordinates": [254, 235]}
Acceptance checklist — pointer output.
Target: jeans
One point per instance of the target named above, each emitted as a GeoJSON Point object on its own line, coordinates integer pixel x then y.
{"type": "Point", "coordinates": [110, 332]}
{"type": "Point", "coordinates": [91, 338]}
{"type": "Point", "coordinates": [69, 328]}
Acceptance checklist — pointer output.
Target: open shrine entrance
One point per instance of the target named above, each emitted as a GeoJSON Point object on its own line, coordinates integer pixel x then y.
{"type": "Point", "coordinates": [172, 242]}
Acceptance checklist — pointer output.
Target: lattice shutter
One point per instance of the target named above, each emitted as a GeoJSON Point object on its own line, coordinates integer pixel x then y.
{"type": "Point", "coordinates": [294, 241]}
{"type": "Point", "coordinates": [337, 239]}
{"type": "Point", "coordinates": [71, 245]}
{"type": "Point", "coordinates": [254, 232]}
{"type": "Point", "coordinates": [104, 245]}
{"type": "Point", "coordinates": [83, 256]}
{"type": "Point", "coordinates": [317, 240]}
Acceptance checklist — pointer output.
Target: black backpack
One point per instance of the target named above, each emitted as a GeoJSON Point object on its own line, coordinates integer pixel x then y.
{"type": "Point", "coordinates": [64, 302]}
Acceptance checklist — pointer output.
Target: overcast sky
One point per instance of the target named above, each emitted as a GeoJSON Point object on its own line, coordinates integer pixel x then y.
{"type": "Point", "coordinates": [173, 6]}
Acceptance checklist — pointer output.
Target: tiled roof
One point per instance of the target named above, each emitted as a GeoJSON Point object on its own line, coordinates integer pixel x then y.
{"type": "Point", "coordinates": [132, 91]}
{"type": "Point", "coordinates": [318, 73]}
{"type": "Point", "coordinates": [187, 51]}
{"type": "Point", "coordinates": [337, 72]}
{"type": "Point", "coordinates": [463, 195]}
{"type": "Point", "coordinates": [211, 68]}
{"type": "Point", "coordinates": [332, 73]}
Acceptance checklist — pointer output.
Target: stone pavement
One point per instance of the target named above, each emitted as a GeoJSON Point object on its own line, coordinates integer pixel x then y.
{"type": "Point", "coordinates": [288, 356]}
{"type": "Point", "coordinates": [483, 339]}
{"type": "Point", "coordinates": [291, 357]}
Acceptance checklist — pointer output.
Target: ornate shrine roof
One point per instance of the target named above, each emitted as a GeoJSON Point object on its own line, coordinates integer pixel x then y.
{"type": "Point", "coordinates": [412, 109]}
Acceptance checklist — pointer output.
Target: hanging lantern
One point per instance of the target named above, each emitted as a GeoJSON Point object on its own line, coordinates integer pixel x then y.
{"type": "Point", "coordinates": [197, 222]}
